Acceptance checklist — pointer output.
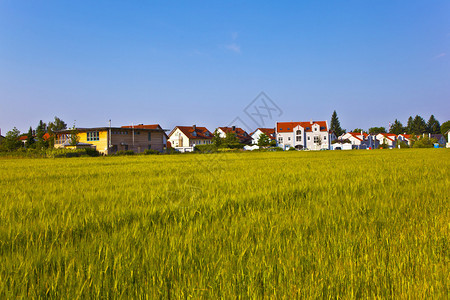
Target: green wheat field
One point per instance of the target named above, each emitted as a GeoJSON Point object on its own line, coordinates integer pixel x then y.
{"type": "Point", "coordinates": [328, 224]}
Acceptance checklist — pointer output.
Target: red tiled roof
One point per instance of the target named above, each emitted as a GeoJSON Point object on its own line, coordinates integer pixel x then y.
{"type": "Point", "coordinates": [46, 136]}
{"type": "Point", "coordinates": [201, 132]}
{"type": "Point", "coordinates": [270, 132]}
{"type": "Point", "coordinates": [241, 134]}
{"type": "Point", "coordinates": [283, 126]}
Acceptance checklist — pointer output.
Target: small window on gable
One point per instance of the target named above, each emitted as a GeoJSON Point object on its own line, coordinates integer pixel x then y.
{"type": "Point", "coordinates": [299, 132]}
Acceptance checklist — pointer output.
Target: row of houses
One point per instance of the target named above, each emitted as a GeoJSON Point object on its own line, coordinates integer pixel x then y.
{"type": "Point", "coordinates": [309, 135]}
{"type": "Point", "coordinates": [361, 140]}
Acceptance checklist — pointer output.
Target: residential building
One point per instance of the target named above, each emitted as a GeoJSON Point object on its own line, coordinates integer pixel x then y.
{"type": "Point", "coordinates": [241, 134]}
{"type": "Point", "coordinates": [360, 140]}
{"type": "Point", "coordinates": [312, 135]}
{"type": "Point", "coordinates": [185, 138]}
{"type": "Point", "coordinates": [109, 140]}
{"type": "Point", "coordinates": [448, 139]}
{"type": "Point", "coordinates": [389, 139]}
{"type": "Point", "coordinates": [439, 138]}
{"type": "Point", "coordinates": [270, 132]}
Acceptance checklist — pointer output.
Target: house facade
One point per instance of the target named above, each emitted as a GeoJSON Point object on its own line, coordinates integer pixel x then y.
{"type": "Point", "coordinates": [360, 140]}
{"type": "Point", "coordinates": [313, 135]}
{"type": "Point", "coordinates": [185, 138]}
{"type": "Point", "coordinates": [270, 132]}
{"type": "Point", "coordinates": [109, 140]}
{"type": "Point", "coordinates": [388, 138]}
{"type": "Point", "coordinates": [241, 134]}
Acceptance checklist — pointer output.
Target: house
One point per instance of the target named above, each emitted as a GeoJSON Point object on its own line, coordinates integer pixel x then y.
{"type": "Point", "coordinates": [312, 135]}
{"type": "Point", "coordinates": [387, 138]}
{"type": "Point", "coordinates": [448, 139]}
{"type": "Point", "coordinates": [359, 140]}
{"type": "Point", "coordinates": [406, 138]}
{"type": "Point", "coordinates": [185, 138]}
{"type": "Point", "coordinates": [23, 138]}
{"type": "Point", "coordinates": [242, 135]}
{"type": "Point", "coordinates": [109, 140]}
{"type": "Point", "coordinates": [270, 132]}
{"type": "Point", "coordinates": [440, 139]}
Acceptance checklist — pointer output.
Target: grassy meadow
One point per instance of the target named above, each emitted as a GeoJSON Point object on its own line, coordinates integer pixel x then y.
{"type": "Point", "coordinates": [328, 224]}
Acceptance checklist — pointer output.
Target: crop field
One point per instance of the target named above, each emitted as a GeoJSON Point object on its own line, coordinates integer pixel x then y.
{"type": "Point", "coordinates": [328, 224]}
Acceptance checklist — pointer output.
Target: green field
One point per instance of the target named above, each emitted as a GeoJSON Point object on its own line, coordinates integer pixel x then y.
{"type": "Point", "coordinates": [345, 224]}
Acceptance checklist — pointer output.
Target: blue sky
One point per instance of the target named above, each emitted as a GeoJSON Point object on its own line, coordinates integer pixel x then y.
{"type": "Point", "coordinates": [203, 62]}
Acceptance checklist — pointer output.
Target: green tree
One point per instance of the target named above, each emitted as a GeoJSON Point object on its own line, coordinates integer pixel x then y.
{"type": "Point", "coordinates": [40, 131]}
{"type": "Point", "coordinates": [53, 127]}
{"type": "Point", "coordinates": [231, 140]}
{"type": "Point", "coordinates": [74, 138]}
{"type": "Point", "coordinates": [30, 139]}
{"type": "Point", "coordinates": [263, 140]}
{"type": "Point", "coordinates": [433, 125]}
{"type": "Point", "coordinates": [335, 125]}
{"type": "Point", "coordinates": [377, 130]}
{"type": "Point", "coordinates": [419, 125]}
{"type": "Point", "coordinates": [217, 140]}
{"type": "Point", "coordinates": [359, 130]}
{"type": "Point", "coordinates": [424, 142]}
{"type": "Point", "coordinates": [444, 128]}
{"type": "Point", "coordinates": [410, 125]}
{"type": "Point", "coordinates": [11, 141]}
{"type": "Point", "coordinates": [397, 127]}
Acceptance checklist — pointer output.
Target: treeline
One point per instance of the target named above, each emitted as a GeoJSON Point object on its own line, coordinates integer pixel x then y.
{"type": "Point", "coordinates": [40, 138]}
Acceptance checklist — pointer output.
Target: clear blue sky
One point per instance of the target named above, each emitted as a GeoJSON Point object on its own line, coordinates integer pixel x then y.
{"type": "Point", "coordinates": [202, 62]}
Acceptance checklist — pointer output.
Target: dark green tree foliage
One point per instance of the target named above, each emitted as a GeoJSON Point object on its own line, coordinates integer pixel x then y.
{"type": "Point", "coordinates": [53, 127]}
{"type": "Point", "coordinates": [335, 125]}
{"type": "Point", "coordinates": [397, 127]}
{"type": "Point", "coordinates": [433, 125]}
{"type": "Point", "coordinates": [419, 125]}
{"type": "Point", "coordinates": [263, 140]}
{"type": "Point", "coordinates": [359, 130]}
{"type": "Point", "coordinates": [40, 131]}
{"type": "Point", "coordinates": [377, 130]}
{"type": "Point", "coordinates": [217, 140]}
{"type": "Point", "coordinates": [445, 127]}
{"type": "Point", "coordinates": [410, 125]}
{"type": "Point", "coordinates": [424, 142]}
{"type": "Point", "coordinates": [30, 139]}
{"type": "Point", "coordinates": [11, 141]}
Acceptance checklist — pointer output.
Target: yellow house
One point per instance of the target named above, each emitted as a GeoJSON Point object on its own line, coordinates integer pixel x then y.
{"type": "Point", "coordinates": [109, 140]}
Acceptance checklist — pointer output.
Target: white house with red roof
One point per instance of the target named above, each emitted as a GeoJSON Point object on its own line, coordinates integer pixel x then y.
{"type": "Point", "coordinates": [241, 134]}
{"type": "Point", "coordinates": [360, 140]}
{"type": "Point", "coordinates": [388, 138]}
{"type": "Point", "coordinates": [270, 132]}
{"type": "Point", "coordinates": [312, 135]}
{"type": "Point", "coordinates": [185, 138]}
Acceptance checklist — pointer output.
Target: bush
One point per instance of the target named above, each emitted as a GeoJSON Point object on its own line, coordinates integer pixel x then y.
{"type": "Point", "coordinates": [424, 142]}
{"type": "Point", "coordinates": [124, 152]}
{"type": "Point", "coordinates": [291, 149]}
{"type": "Point", "coordinates": [403, 145]}
{"type": "Point", "coordinates": [151, 152]}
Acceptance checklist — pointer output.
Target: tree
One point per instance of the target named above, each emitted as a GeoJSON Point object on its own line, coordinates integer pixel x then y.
{"type": "Point", "coordinates": [30, 139]}
{"type": "Point", "coordinates": [425, 142]}
{"type": "Point", "coordinates": [53, 127]}
{"type": "Point", "coordinates": [263, 140]}
{"type": "Point", "coordinates": [409, 125]}
{"type": "Point", "coordinates": [11, 141]}
{"type": "Point", "coordinates": [335, 125]}
{"type": "Point", "coordinates": [217, 140]}
{"type": "Point", "coordinates": [359, 130]}
{"type": "Point", "coordinates": [74, 138]}
{"type": "Point", "coordinates": [433, 125]}
{"type": "Point", "coordinates": [419, 125]}
{"type": "Point", "coordinates": [40, 131]}
{"type": "Point", "coordinates": [397, 127]}
{"type": "Point", "coordinates": [377, 130]}
{"type": "Point", "coordinates": [231, 140]}
{"type": "Point", "coordinates": [445, 127]}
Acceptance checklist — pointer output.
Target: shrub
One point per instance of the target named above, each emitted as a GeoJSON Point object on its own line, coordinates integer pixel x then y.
{"type": "Point", "coordinates": [206, 148]}
{"type": "Point", "coordinates": [124, 152]}
{"type": "Point", "coordinates": [151, 152]}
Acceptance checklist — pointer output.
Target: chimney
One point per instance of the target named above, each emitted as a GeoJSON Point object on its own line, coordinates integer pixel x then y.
{"type": "Point", "coordinates": [233, 128]}
{"type": "Point", "coordinates": [194, 127]}
{"type": "Point", "coordinates": [311, 121]}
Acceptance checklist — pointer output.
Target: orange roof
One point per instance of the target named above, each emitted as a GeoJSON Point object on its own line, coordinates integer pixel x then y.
{"type": "Point", "coordinates": [46, 136]}
{"type": "Point", "coordinates": [289, 126]}
{"type": "Point", "coordinates": [241, 134]}
{"type": "Point", "coordinates": [201, 133]}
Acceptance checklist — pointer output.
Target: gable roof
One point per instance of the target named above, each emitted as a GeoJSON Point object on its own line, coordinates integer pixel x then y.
{"type": "Point", "coordinates": [200, 133]}
{"type": "Point", "coordinates": [289, 126]}
{"type": "Point", "coordinates": [241, 134]}
{"type": "Point", "coordinates": [270, 132]}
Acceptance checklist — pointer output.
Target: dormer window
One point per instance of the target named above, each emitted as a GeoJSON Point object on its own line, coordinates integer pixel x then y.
{"type": "Point", "coordinates": [194, 133]}
{"type": "Point", "coordinates": [207, 133]}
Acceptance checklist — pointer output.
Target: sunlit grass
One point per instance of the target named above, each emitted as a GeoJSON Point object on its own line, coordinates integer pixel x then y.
{"type": "Point", "coordinates": [327, 224]}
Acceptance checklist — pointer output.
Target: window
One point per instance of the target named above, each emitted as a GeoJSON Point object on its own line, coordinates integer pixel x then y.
{"type": "Point", "coordinates": [309, 138]}
{"type": "Point", "coordinates": [324, 137]}
{"type": "Point", "coordinates": [298, 138]}
{"type": "Point", "coordinates": [93, 136]}
{"type": "Point", "coordinates": [289, 138]}
{"type": "Point", "coordinates": [149, 147]}
{"type": "Point", "coordinates": [149, 136]}
{"type": "Point", "coordinates": [315, 128]}
{"type": "Point", "coordinates": [299, 132]}
{"type": "Point", "coordinates": [288, 128]}
{"type": "Point", "coordinates": [316, 139]}
{"type": "Point", "coordinates": [280, 140]}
